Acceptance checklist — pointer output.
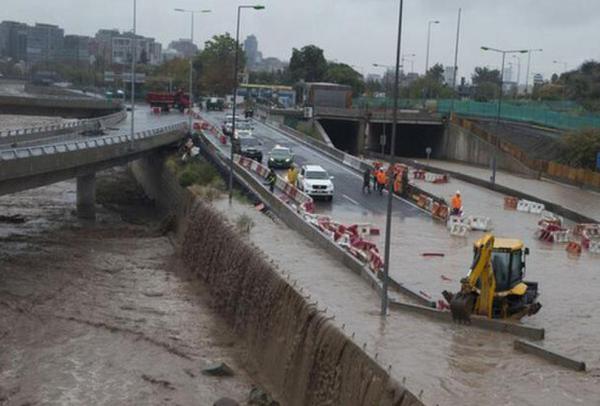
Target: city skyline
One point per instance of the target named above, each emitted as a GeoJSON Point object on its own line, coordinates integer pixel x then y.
{"type": "Point", "coordinates": [282, 27]}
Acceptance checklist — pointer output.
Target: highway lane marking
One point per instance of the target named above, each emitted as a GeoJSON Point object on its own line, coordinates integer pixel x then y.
{"type": "Point", "coordinates": [351, 200]}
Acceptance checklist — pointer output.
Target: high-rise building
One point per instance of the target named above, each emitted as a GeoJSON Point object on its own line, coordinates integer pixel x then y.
{"type": "Point", "coordinates": [185, 47]}
{"type": "Point", "coordinates": [538, 79]}
{"type": "Point", "coordinates": [76, 49]}
{"type": "Point", "coordinates": [13, 40]}
{"type": "Point", "coordinates": [251, 50]}
{"type": "Point", "coordinates": [45, 43]}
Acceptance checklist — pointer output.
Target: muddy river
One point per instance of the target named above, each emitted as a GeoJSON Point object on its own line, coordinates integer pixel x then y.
{"type": "Point", "coordinates": [103, 314]}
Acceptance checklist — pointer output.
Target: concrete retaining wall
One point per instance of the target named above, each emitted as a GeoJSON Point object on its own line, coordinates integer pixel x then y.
{"type": "Point", "coordinates": [460, 145]}
{"type": "Point", "coordinates": [55, 106]}
{"type": "Point", "coordinates": [294, 346]}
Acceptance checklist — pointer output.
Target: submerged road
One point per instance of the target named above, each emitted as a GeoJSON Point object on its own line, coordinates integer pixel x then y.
{"type": "Point", "coordinates": [569, 313]}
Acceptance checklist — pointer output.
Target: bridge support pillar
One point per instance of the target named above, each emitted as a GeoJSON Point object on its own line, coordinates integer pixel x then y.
{"type": "Point", "coordinates": [86, 196]}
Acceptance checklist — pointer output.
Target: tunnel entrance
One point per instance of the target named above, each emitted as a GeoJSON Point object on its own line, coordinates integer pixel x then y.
{"type": "Point", "coordinates": [343, 134]}
{"type": "Point", "coordinates": [412, 140]}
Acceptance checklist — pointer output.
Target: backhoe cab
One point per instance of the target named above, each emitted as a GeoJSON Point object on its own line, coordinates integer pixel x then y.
{"type": "Point", "coordinates": [494, 286]}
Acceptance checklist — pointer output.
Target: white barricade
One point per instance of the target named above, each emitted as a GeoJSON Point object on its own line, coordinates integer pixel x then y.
{"type": "Point", "coordinates": [454, 220]}
{"type": "Point", "coordinates": [536, 208]}
{"type": "Point", "coordinates": [551, 218]}
{"type": "Point", "coordinates": [459, 230]}
{"type": "Point", "coordinates": [562, 237]}
{"type": "Point", "coordinates": [479, 223]}
{"type": "Point", "coordinates": [430, 177]}
{"type": "Point", "coordinates": [595, 247]}
{"type": "Point", "coordinates": [530, 207]}
{"type": "Point", "coordinates": [524, 206]}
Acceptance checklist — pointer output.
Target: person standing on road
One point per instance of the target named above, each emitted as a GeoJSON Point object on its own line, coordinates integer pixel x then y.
{"type": "Point", "coordinates": [367, 181]}
{"type": "Point", "coordinates": [271, 179]}
{"type": "Point", "coordinates": [381, 180]}
{"type": "Point", "coordinates": [456, 204]}
{"type": "Point", "coordinates": [292, 175]}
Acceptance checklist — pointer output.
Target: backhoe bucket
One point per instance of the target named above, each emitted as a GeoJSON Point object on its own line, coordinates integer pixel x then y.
{"type": "Point", "coordinates": [461, 306]}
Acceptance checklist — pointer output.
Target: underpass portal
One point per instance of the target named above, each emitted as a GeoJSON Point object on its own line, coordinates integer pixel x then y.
{"type": "Point", "coordinates": [412, 140]}
{"type": "Point", "coordinates": [344, 134]}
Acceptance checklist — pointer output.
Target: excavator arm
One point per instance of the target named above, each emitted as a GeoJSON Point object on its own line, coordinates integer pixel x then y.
{"type": "Point", "coordinates": [478, 287]}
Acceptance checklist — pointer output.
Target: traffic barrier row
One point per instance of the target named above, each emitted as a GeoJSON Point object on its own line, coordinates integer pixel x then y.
{"type": "Point", "coordinates": [530, 207]}
{"type": "Point", "coordinates": [436, 178]}
{"type": "Point", "coordinates": [548, 217]}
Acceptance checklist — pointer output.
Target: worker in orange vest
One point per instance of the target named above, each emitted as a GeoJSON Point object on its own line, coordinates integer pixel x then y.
{"type": "Point", "coordinates": [456, 204]}
{"type": "Point", "coordinates": [381, 180]}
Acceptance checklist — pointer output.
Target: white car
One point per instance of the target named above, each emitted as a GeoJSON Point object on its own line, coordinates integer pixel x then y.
{"type": "Point", "coordinates": [315, 181]}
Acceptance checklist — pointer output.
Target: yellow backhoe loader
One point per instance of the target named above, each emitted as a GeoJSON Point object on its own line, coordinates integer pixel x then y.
{"type": "Point", "coordinates": [494, 286]}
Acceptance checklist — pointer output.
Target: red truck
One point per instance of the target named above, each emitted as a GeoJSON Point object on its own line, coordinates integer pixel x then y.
{"type": "Point", "coordinates": [167, 101]}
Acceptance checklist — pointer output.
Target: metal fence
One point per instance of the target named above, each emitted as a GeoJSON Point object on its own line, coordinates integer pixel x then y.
{"type": "Point", "coordinates": [536, 114]}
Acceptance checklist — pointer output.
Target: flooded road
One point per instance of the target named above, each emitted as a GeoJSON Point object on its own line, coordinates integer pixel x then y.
{"type": "Point", "coordinates": [568, 284]}
{"type": "Point", "coordinates": [104, 314]}
{"type": "Point", "coordinates": [448, 364]}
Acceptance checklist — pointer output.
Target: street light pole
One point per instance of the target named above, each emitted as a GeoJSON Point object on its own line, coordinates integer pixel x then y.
{"type": "Point", "coordinates": [388, 221]}
{"type": "Point", "coordinates": [429, 43]}
{"type": "Point", "coordinates": [503, 52]}
{"type": "Point", "coordinates": [235, 89]}
{"type": "Point", "coordinates": [191, 74]}
{"type": "Point", "coordinates": [455, 61]}
{"type": "Point", "coordinates": [133, 58]}
{"type": "Point", "coordinates": [529, 52]}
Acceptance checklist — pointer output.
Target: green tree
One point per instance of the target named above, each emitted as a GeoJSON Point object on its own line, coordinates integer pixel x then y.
{"type": "Point", "coordinates": [216, 63]}
{"type": "Point", "coordinates": [174, 72]}
{"type": "Point", "coordinates": [579, 148]}
{"type": "Point", "coordinates": [308, 64]}
{"type": "Point", "coordinates": [343, 74]}
{"type": "Point", "coordinates": [486, 83]}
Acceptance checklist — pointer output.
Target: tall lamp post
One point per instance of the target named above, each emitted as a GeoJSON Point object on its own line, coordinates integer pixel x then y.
{"type": "Point", "coordinates": [133, 58]}
{"type": "Point", "coordinates": [191, 12]}
{"type": "Point", "coordinates": [405, 57]}
{"type": "Point", "coordinates": [235, 89]}
{"type": "Point", "coordinates": [429, 43]}
{"type": "Point", "coordinates": [503, 52]}
{"type": "Point", "coordinates": [388, 220]}
{"type": "Point", "coordinates": [529, 52]}
{"type": "Point", "coordinates": [382, 140]}
{"type": "Point", "coordinates": [563, 63]}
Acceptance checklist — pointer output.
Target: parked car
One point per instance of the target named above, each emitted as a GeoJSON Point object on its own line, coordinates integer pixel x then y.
{"type": "Point", "coordinates": [315, 181]}
{"type": "Point", "coordinates": [215, 104]}
{"type": "Point", "coordinates": [280, 157]}
{"type": "Point", "coordinates": [249, 147]}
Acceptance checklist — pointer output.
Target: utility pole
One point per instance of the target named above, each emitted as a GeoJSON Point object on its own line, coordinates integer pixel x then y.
{"type": "Point", "coordinates": [455, 59]}
{"type": "Point", "coordinates": [429, 43]}
{"type": "Point", "coordinates": [388, 220]}
{"type": "Point", "coordinates": [133, 60]}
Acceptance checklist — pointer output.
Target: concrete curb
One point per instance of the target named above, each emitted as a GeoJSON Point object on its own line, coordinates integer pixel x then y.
{"type": "Point", "coordinates": [532, 333]}
{"type": "Point", "coordinates": [549, 356]}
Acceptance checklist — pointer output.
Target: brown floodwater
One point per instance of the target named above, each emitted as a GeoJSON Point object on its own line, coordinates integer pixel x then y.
{"type": "Point", "coordinates": [104, 314]}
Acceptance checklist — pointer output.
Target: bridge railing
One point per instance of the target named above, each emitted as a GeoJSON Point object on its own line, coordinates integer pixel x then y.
{"type": "Point", "coordinates": [84, 144]}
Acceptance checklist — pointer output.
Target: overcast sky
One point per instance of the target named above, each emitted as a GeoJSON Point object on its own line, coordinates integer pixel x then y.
{"type": "Point", "coordinates": [358, 32]}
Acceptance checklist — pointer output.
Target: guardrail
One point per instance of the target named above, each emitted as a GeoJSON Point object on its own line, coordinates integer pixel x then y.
{"type": "Point", "coordinates": [70, 146]}
{"type": "Point", "coordinates": [111, 119]}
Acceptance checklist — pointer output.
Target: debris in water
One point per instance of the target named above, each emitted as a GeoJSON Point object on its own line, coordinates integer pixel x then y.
{"type": "Point", "coordinates": [155, 381]}
{"type": "Point", "coordinates": [220, 369]}
{"type": "Point", "coordinates": [226, 402]}
{"type": "Point", "coordinates": [445, 278]}
{"type": "Point", "coordinates": [433, 254]}
{"type": "Point", "coordinates": [258, 397]}
{"type": "Point", "coordinates": [14, 219]}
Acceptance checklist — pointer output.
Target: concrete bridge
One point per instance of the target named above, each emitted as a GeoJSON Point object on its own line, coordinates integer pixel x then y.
{"type": "Point", "coordinates": [26, 168]}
